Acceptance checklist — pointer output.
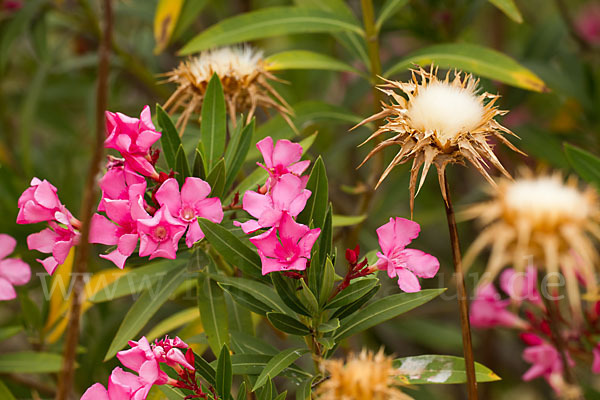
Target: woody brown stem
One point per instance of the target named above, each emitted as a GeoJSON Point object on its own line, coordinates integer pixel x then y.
{"type": "Point", "coordinates": [463, 301]}
{"type": "Point", "coordinates": [65, 383]}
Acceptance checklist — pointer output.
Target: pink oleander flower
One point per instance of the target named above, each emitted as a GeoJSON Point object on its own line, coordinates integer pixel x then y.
{"type": "Point", "coordinates": [116, 182]}
{"type": "Point", "coordinates": [596, 361]}
{"type": "Point", "coordinates": [287, 247]}
{"type": "Point", "coordinates": [190, 204]}
{"type": "Point", "coordinates": [168, 351]}
{"type": "Point", "coordinates": [13, 272]}
{"type": "Point", "coordinates": [521, 286]}
{"type": "Point", "coordinates": [160, 234]}
{"type": "Point", "coordinates": [281, 159]}
{"type": "Point", "coordinates": [121, 229]}
{"type": "Point", "coordinates": [587, 23]}
{"type": "Point", "coordinates": [56, 240]}
{"type": "Point", "coordinates": [40, 203]}
{"type": "Point", "coordinates": [399, 261]}
{"type": "Point", "coordinates": [546, 362]}
{"type": "Point", "coordinates": [488, 310]}
{"type": "Point", "coordinates": [133, 138]}
{"type": "Point", "coordinates": [122, 385]}
{"type": "Point", "coordinates": [288, 196]}
{"type": "Point", "coordinates": [142, 359]}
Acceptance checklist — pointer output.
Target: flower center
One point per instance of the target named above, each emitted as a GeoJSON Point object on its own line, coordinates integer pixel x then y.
{"type": "Point", "coordinates": [545, 202]}
{"type": "Point", "coordinates": [160, 233]}
{"type": "Point", "coordinates": [187, 214]}
{"type": "Point", "coordinates": [446, 110]}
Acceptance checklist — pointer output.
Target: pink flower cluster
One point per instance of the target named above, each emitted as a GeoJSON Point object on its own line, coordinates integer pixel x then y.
{"type": "Point", "coordinates": [127, 217]}
{"type": "Point", "coordinates": [287, 244]}
{"type": "Point", "coordinates": [40, 203]}
{"type": "Point", "coordinates": [13, 272]}
{"type": "Point", "coordinates": [489, 309]}
{"type": "Point", "coordinates": [398, 261]}
{"type": "Point", "coordinates": [145, 359]}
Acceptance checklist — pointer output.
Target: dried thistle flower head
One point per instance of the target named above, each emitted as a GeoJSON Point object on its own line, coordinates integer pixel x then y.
{"type": "Point", "coordinates": [244, 76]}
{"type": "Point", "coordinates": [364, 376]}
{"type": "Point", "coordinates": [543, 220]}
{"type": "Point", "coordinates": [440, 122]}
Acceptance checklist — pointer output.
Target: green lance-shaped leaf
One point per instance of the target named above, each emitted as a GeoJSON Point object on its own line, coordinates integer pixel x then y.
{"type": "Point", "coordinates": [288, 324]}
{"type": "Point", "coordinates": [277, 364]}
{"type": "Point", "coordinates": [286, 289]}
{"type": "Point", "coordinates": [30, 362]}
{"type": "Point", "coordinates": [307, 297]}
{"type": "Point", "coordinates": [266, 391]}
{"type": "Point", "coordinates": [242, 343]}
{"type": "Point", "coordinates": [327, 282]}
{"type": "Point", "coordinates": [389, 9]}
{"type": "Point", "coordinates": [304, 59]}
{"type": "Point", "coordinates": [269, 22]}
{"type": "Point", "coordinates": [144, 308]}
{"type": "Point", "coordinates": [169, 138]}
{"type": "Point", "coordinates": [198, 168]}
{"type": "Point", "coordinates": [5, 393]}
{"type": "Point", "coordinates": [233, 250]}
{"type": "Point", "coordinates": [428, 369]}
{"type": "Point", "coordinates": [213, 127]}
{"type": "Point", "coordinates": [347, 220]}
{"type": "Point", "coordinates": [584, 163]}
{"type": "Point", "coordinates": [224, 375]}
{"type": "Point", "coordinates": [236, 157]}
{"type": "Point", "coordinates": [349, 309]}
{"type": "Point", "coordinates": [181, 166]}
{"type": "Point", "coordinates": [304, 391]}
{"type": "Point", "coordinates": [383, 310]}
{"type": "Point", "coordinates": [356, 289]}
{"type": "Point", "coordinates": [242, 392]}
{"type": "Point", "coordinates": [509, 8]}
{"type": "Point", "coordinates": [213, 312]}
{"type": "Point", "coordinates": [472, 58]}
{"type": "Point", "coordinates": [205, 370]}
{"type": "Point", "coordinates": [329, 326]}
{"type": "Point", "coordinates": [316, 207]}
{"type": "Point", "coordinates": [216, 179]}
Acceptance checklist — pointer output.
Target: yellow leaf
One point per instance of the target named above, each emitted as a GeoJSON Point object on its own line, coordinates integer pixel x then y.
{"type": "Point", "coordinates": [58, 290]}
{"type": "Point", "coordinates": [165, 19]}
{"type": "Point", "coordinates": [173, 322]}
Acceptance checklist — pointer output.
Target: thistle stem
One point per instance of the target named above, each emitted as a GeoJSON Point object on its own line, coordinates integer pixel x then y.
{"type": "Point", "coordinates": [372, 40]}
{"type": "Point", "coordinates": [463, 301]}
{"type": "Point", "coordinates": [65, 383]}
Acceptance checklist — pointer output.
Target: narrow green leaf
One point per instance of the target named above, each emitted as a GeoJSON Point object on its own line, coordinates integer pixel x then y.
{"type": "Point", "coordinates": [170, 392]}
{"type": "Point", "coordinates": [213, 127]}
{"type": "Point", "coordinates": [308, 298]}
{"type": "Point", "coordinates": [224, 376]}
{"type": "Point", "coordinates": [509, 8]}
{"type": "Point", "coordinates": [286, 289]}
{"type": "Point", "coordinates": [138, 279]}
{"type": "Point", "coordinates": [472, 58]}
{"type": "Point", "coordinates": [428, 369]}
{"type": "Point", "coordinates": [329, 326]}
{"type": "Point", "coordinates": [242, 392]}
{"type": "Point", "coordinates": [281, 396]}
{"type": "Point", "coordinates": [388, 10]}
{"type": "Point", "coordinates": [383, 310]}
{"type": "Point", "coordinates": [144, 308]}
{"type": "Point", "coordinates": [304, 391]}
{"type": "Point", "coordinates": [7, 332]}
{"type": "Point", "coordinates": [349, 309]}
{"type": "Point", "coordinates": [277, 364]}
{"type": "Point", "coordinates": [234, 164]}
{"type": "Point", "coordinates": [269, 22]}
{"type": "Point", "coordinates": [181, 166]}
{"type": "Point", "coordinates": [316, 272]}
{"type": "Point", "coordinates": [316, 206]}
{"type": "Point", "coordinates": [584, 163]}
{"type": "Point", "coordinates": [30, 362]}
{"type": "Point", "coordinates": [189, 12]}
{"type": "Point", "coordinates": [356, 289]}
{"type": "Point", "coordinates": [216, 179]}
{"type": "Point", "coordinates": [5, 393]}
{"type": "Point", "coordinates": [213, 313]}
{"type": "Point", "coordinates": [288, 324]}
{"type": "Point", "coordinates": [242, 343]}
{"type": "Point", "coordinates": [169, 139]}
{"type": "Point", "coordinates": [198, 168]}
{"type": "Point", "coordinates": [231, 248]}
{"type": "Point", "coordinates": [327, 281]}
{"type": "Point", "coordinates": [347, 220]}
{"type": "Point", "coordinates": [304, 59]}
{"type": "Point", "coordinates": [255, 363]}
{"type": "Point", "coordinates": [246, 300]}
{"type": "Point", "coordinates": [205, 370]}
{"type": "Point", "coordinates": [240, 319]}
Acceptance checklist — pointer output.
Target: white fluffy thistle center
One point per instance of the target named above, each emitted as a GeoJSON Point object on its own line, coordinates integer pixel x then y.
{"type": "Point", "coordinates": [546, 201]}
{"type": "Point", "coordinates": [236, 62]}
{"type": "Point", "coordinates": [446, 110]}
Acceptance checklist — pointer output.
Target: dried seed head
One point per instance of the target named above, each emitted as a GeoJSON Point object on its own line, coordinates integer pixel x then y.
{"type": "Point", "coordinates": [243, 74]}
{"type": "Point", "coordinates": [440, 122]}
{"type": "Point", "coordinates": [545, 221]}
{"type": "Point", "coordinates": [364, 376]}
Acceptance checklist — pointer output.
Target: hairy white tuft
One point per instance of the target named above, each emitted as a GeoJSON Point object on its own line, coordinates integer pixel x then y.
{"type": "Point", "coordinates": [546, 201]}
{"type": "Point", "coordinates": [446, 110]}
{"type": "Point", "coordinates": [236, 61]}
